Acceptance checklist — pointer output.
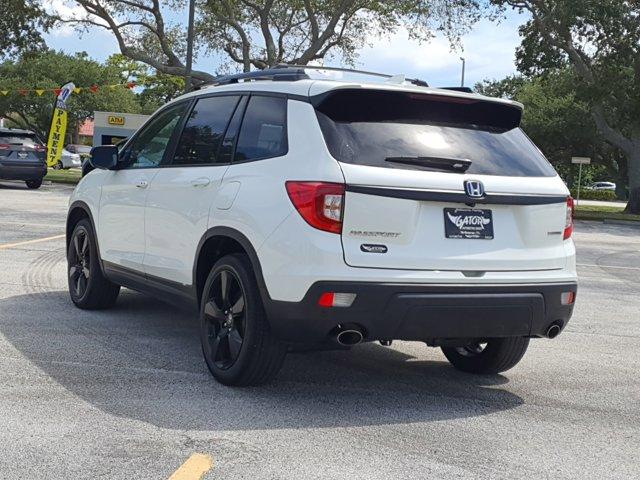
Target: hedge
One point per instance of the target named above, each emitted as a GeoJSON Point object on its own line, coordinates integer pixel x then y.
{"type": "Point", "coordinates": [585, 194]}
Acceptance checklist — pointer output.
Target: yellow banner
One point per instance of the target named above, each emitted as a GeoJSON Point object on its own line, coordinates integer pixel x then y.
{"type": "Point", "coordinates": [56, 136]}
{"type": "Point", "coordinates": [58, 128]}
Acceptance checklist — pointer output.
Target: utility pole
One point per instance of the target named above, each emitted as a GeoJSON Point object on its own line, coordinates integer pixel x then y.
{"type": "Point", "coordinates": [187, 76]}
{"type": "Point", "coordinates": [462, 77]}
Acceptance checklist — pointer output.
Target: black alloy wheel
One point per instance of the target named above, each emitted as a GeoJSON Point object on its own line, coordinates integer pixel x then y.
{"type": "Point", "coordinates": [88, 287]}
{"type": "Point", "coordinates": [225, 319]}
{"type": "Point", "coordinates": [80, 262]}
{"type": "Point", "coordinates": [238, 345]}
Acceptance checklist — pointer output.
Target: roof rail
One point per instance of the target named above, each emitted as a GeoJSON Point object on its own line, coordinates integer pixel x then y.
{"type": "Point", "coordinates": [414, 81]}
{"type": "Point", "coordinates": [286, 72]}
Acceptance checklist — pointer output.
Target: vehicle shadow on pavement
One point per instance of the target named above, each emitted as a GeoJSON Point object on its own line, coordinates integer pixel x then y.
{"type": "Point", "coordinates": [142, 360]}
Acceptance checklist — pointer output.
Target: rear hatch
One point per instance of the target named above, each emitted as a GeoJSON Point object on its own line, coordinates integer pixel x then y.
{"type": "Point", "coordinates": [21, 149]}
{"type": "Point", "coordinates": [438, 182]}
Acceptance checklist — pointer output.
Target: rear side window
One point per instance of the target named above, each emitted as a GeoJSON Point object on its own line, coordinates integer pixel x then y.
{"type": "Point", "coordinates": [417, 131]}
{"type": "Point", "coordinates": [263, 133]}
{"type": "Point", "coordinates": [202, 135]}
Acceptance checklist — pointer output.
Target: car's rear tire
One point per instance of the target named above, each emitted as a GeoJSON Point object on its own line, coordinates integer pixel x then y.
{"type": "Point", "coordinates": [237, 343]}
{"type": "Point", "coordinates": [498, 355]}
{"type": "Point", "coordinates": [33, 184]}
{"type": "Point", "coordinates": [88, 287]}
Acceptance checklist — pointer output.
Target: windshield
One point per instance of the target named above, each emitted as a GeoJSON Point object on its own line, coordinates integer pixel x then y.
{"type": "Point", "coordinates": [371, 128]}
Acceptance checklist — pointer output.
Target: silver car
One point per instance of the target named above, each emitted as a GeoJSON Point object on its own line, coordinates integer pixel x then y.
{"type": "Point", "coordinates": [68, 160]}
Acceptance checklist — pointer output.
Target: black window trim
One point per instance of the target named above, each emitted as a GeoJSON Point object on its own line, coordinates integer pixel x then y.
{"type": "Point", "coordinates": [286, 126]}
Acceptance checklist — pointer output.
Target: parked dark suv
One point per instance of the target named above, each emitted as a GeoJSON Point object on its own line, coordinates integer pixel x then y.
{"type": "Point", "coordinates": [22, 157]}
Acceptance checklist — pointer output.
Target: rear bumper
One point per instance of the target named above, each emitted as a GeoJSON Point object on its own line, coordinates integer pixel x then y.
{"type": "Point", "coordinates": [26, 172]}
{"type": "Point", "coordinates": [432, 313]}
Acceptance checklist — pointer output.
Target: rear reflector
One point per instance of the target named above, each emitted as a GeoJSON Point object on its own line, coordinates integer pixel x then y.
{"type": "Point", "coordinates": [568, 224]}
{"type": "Point", "coordinates": [319, 203]}
{"type": "Point", "coordinates": [332, 299]}
{"type": "Point", "coordinates": [567, 298]}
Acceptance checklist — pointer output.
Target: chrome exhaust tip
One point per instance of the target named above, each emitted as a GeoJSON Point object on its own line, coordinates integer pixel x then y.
{"type": "Point", "coordinates": [554, 330]}
{"type": "Point", "coordinates": [349, 337]}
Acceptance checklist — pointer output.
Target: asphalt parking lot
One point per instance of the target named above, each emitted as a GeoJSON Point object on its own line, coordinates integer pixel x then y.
{"type": "Point", "coordinates": [125, 393]}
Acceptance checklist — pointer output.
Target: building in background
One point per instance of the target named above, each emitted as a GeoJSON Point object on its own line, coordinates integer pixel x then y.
{"type": "Point", "coordinates": [111, 127]}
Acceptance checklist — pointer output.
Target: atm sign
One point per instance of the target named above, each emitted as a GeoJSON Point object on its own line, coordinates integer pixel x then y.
{"type": "Point", "coordinates": [115, 120]}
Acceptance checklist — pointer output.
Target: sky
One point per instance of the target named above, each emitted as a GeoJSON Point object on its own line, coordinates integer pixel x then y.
{"type": "Point", "coordinates": [489, 51]}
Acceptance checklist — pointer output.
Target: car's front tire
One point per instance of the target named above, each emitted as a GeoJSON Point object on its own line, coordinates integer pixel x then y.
{"type": "Point", "coordinates": [34, 184]}
{"type": "Point", "coordinates": [237, 343]}
{"type": "Point", "coordinates": [58, 166]}
{"type": "Point", "coordinates": [494, 356]}
{"type": "Point", "coordinates": [88, 287]}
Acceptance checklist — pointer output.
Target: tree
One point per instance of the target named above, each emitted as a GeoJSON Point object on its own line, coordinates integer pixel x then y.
{"type": "Point", "coordinates": [600, 40]}
{"type": "Point", "coordinates": [557, 119]}
{"type": "Point", "coordinates": [50, 69]}
{"type": "Point", "coordinates": [261, 33]}
{"type": "Point", "coordinates": [157, 88]}
{"type": "Point", "coordinates": [21, 23]}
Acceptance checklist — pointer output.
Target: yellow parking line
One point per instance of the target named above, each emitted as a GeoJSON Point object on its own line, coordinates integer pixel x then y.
{"type": "Point", "coordinates": [37, 240]}
{"type": "Point", "coordinates": [194, 468]}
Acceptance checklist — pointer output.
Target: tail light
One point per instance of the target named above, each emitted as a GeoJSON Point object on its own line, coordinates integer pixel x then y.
{"type": "Point", "coordinates": [319, 203]}
{"type": "Point", "coordinates": [568, 224]}
{"type": "Point", "coordinates": [5, 146]}
{"type": "Point", "coordinates": [40, 148]}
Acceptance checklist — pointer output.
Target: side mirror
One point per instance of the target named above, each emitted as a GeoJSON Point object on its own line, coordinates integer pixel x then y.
{"type": "Point", "coordinates": [104, 157]}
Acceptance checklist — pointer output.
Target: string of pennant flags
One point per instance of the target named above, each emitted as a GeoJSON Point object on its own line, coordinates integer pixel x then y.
{"type": "Point", "coordinates": [56, 91]}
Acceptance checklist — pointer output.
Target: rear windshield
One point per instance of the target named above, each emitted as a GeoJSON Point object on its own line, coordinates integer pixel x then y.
{"type": "Point", "coordinates": [391, 129]}
{"type": "Point", "coordinates": [22, 139]}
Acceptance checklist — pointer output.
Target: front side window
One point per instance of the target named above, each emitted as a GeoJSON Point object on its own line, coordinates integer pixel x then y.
{"type": "Point", "coordinates": [148, 148]}
{"type": "Point", "coordinates": [202, 135]}
{"type": "Point", "coordinates": [263, 133]}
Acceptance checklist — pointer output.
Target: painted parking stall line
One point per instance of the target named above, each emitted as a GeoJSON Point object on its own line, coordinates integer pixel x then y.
{"type": "Point", "coordinates": [196, 466]}
{"type": "Point", "coordinates": [27, 242]}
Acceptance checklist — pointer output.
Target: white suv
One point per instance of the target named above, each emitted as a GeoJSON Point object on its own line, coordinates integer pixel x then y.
{"type": "Point", "coordinates": [297, 212]}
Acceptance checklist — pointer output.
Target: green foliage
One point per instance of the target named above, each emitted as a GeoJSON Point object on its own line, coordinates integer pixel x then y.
{"type": "Point", "coordinates": [157, 88]}
{"type": "Point", "coordinates": [21, 23]}
{"type": "Point", "coordinates": [50, 69]}
{"type": "Point", "coordinates": [558, 121]}
{"type": "Point", "coordinates": [586, 194]}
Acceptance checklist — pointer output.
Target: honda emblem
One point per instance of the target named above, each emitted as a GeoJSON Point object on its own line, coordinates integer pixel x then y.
{"type": "Point", "coordinates": [474, 188]}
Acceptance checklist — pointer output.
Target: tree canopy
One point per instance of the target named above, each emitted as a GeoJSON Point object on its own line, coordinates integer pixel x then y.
{"type": "Point", "coordinates": [51, 69]}
{"type": "Point", "coordinates": [260, 33]}
{"type": "Point", "coordinates": [21, 24]}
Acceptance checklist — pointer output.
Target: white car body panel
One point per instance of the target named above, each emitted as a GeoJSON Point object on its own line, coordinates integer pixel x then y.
{"type": "Point", "coordinates": [120, 219]}
{"type": "Point", "coordinates": [177, 215]}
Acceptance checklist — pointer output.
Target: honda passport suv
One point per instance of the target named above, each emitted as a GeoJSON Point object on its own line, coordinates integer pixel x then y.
{"type": "Point", "coordinates": [299, 212]}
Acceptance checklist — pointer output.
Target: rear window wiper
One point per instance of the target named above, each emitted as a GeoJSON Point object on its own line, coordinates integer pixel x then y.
{"type": "Point", "coordinates": [439, 163]}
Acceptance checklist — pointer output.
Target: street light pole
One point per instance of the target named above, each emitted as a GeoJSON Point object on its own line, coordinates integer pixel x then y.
{"type": "Point", "coordinates": [187, 76]}
{"type": "Point", "coordinates": [462, 77]}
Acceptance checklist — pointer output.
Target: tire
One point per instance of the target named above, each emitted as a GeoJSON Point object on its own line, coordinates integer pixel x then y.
{"type": "Point", "coordinates": [58, 166]}
{"type": "Point", "coordinates": [88, 287]}
{"type": "Point", "coordinates": [33, 184]}
{"type": "Point", "coordinates": [237, 343]}
{"type": "Point", "coordinates": [499, 355]}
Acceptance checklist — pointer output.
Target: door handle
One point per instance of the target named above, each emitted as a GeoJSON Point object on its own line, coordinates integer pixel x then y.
{"type": "Point", "coordinates": [142, 184]}
{"type": "Point", "coordinates": [200, 182]}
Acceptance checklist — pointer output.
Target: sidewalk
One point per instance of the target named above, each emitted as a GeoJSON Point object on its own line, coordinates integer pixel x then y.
{"type": "Point", "coordinates": [601, 203]}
